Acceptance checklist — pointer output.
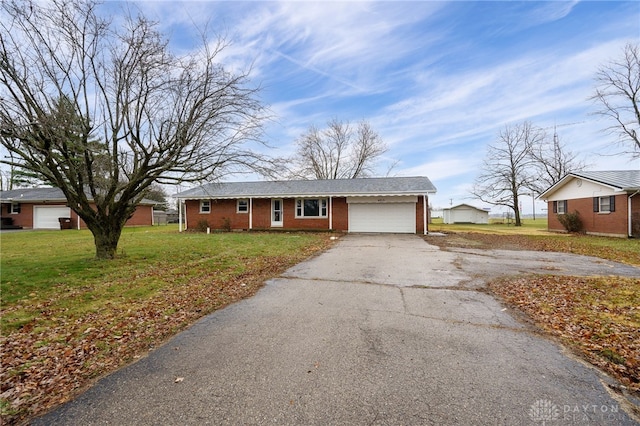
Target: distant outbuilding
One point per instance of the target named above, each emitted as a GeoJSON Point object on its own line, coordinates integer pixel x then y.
{"type": "Point", "coordinates": [465, 213]}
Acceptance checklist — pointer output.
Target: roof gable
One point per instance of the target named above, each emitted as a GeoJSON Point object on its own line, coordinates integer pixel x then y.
{"type": "Point", "coordinates": [309, 188]}
{"type": "Point", "coordinates": [615, 180]}
{"type": "Point", "coordinates": [464, 206]}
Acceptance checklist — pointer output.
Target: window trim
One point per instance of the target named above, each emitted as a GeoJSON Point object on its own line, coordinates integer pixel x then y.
{"type": "Point", "coordinates": [202, 206]}
{"type": "Point", "coordinates": [611, 204]}
{"type": "Point", "coordinates": [246, 205]}
{"type": "Point", "coordinates": [323, 208]}
{"type": "Point", "coordinates": [15, 207]}
{"type": "Point", "coordinates": [560, 205]}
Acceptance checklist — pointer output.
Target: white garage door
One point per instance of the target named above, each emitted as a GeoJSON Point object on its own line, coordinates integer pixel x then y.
{"type": "Point", "coordinates": [383, 217]}
{"type": "Point", "coordinates": [46, 217]}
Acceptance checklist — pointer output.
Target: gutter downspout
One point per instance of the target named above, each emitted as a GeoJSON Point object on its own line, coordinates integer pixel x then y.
{"type": "Point", "coordinates": [424, 213]}
{"type": "Point", "coordinates": [250, 214]}
{"type": "Point", "coordinates": [630, 229]}
{"type": "Point", "coordinates": [179, 215]}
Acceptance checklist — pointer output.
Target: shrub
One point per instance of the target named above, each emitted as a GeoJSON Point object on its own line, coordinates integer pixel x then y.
{"type": "Point", "coordinates": [571, 221]}
{"type": "Point", "coordinates": [226, 224]}
{"type": "Point", "coordinates": [202, 225]}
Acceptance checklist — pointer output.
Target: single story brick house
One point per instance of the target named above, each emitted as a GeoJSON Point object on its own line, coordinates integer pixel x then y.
{"type": "Point", "coordinates": [465, 213]}
{"type": "Point", "coordinates": [608, 202]}
{"type": "Point", "coordinates": [385, 205]}
{"type": "Point", "coordinates": [41, 208]}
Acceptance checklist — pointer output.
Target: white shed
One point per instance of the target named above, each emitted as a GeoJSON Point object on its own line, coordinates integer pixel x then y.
{"type": "Point", "coordinates": [464, 213]}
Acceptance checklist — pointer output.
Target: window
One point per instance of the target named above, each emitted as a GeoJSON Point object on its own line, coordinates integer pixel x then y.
{"type": "Point", "coordinates": [15, 208]}
{"type": "Point", "coordinates": [205, 206]}
{"type": "Point", "coordinates": [243, 206]}
{"type": "Point", "coordinates": [604, 204]}
{"type": "Point", "coordinates": [560, 207]}
{"type": "Point", "coordinates": [311, 207]}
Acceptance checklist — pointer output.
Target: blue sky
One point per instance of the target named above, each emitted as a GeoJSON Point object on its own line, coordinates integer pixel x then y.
{"type": "Point", "coordinates": [437, 80]}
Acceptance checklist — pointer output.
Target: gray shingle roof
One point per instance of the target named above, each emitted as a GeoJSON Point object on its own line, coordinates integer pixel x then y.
{"type": "Point", "coordinates": [39, 195]}
{"type": "Point", "coordinates": [308, 188]}
{"type": "Point", "coordinates": [622, 179]}
{"type": "Point", "coordinates": [33, 194]}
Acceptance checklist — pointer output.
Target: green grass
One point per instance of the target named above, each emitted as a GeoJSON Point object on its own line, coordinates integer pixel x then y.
{"type": "Point", "coordinates": [529, 227]}
{"type": "Point", "coordinates": [58, 267]}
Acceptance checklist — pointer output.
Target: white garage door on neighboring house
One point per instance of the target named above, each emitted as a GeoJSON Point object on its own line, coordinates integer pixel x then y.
{"type": "Point", "coordinates": [46, 217]}
{"type": "Point", "coordinates": [389, 215]}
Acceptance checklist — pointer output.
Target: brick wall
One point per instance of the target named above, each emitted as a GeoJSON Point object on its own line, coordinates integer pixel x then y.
{"type": "Point", "coordinates": [614, 223]}
{"type": "Point", "coordinates": [340, 214]}
{"type": "Point", "coordinates": [143, 216]}
{"type": "Point", "coordinates": [261, 218]}
{"type": "Point", "coordinates": [635, 216]}
{"type": "Point", "coordinates": [24, 218]}
{"type": "Point", "coordinates": [420, 215]}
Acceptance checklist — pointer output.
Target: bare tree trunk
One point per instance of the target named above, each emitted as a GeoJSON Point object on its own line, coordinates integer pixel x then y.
{"type": "Point", "coordinates": [106, 241]}
{"type": "Point", "coordinates": [508, 167]}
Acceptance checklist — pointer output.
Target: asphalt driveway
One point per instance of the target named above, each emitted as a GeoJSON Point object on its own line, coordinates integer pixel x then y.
{"type": "Point", "coordinates": [380, 329]}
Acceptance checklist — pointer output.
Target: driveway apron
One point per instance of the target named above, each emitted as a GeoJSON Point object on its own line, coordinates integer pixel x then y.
{"type": "Point", "coordinates": [377, 330]}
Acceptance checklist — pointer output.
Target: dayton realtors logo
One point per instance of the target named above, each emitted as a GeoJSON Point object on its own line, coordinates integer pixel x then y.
{"type": "Point", "coordinates": [545, 412]}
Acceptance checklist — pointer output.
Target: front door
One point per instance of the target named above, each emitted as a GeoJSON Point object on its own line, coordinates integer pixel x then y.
{"type": "Point", "coordinates": [276, 213]}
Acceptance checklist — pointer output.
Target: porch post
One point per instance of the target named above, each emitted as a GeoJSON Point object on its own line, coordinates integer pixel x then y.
{"type": "Point", "coordinates": [179, 215]}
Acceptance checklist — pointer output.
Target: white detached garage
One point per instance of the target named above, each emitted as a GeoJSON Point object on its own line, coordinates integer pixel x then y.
{"type": "Point", "coordinates": [465, 213]}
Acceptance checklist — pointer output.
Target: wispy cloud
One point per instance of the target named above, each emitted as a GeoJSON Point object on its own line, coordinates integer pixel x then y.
{"type": "Point", "coordinates": [438, 80]}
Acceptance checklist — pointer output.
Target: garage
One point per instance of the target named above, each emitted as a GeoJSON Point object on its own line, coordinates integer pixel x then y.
{"type": "Point", "coordinates": [465, 213]}
{"type": "Point", "coordinates": [386, 215]}
{"type": "Point", "coordinates": [46, 217]}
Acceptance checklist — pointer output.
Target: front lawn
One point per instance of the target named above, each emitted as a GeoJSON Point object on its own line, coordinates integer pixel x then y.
{"type": "Point", "coordinates": [68, 318]}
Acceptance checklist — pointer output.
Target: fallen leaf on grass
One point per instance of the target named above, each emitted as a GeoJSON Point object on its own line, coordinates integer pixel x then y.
{"type": "Point", "coordinates": [597, 315]}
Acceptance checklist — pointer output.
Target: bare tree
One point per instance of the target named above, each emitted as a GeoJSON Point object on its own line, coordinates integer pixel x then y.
{"type": "Point", "coordinates": [618, 93]}
{"type": "Point", "coordinates": [104, 111]}
{"type": "Point", "coordinates": [337, 152]}
{"type": "Point", "coordinates": [508, 168]}
{"type": "Point", "coordinates": [552, 161]}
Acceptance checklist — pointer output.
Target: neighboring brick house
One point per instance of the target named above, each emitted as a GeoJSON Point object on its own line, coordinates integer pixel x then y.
{"type": "Point", "coordinates": [41, 208]}
{"type": "Point", "coordinates": [608, 202]}
{"type": "Point", "coordinates": [395, 205]}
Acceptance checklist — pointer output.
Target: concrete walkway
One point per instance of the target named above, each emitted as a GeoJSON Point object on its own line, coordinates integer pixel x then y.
{"type": "Point", "coordinates": [375, 331]}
